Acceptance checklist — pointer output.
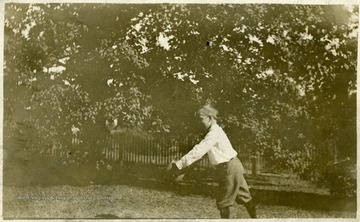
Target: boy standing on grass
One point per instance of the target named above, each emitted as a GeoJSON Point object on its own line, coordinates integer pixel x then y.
{"type": "Point", "coordinates": [229, 170]}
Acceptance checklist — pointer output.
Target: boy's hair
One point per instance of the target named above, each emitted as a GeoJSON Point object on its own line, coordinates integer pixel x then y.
{"type": "Point", "coordinates": [208, 110]}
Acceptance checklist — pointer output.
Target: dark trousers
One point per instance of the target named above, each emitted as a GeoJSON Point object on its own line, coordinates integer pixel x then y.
{"type": "Point", "coordinates": [232, 184]}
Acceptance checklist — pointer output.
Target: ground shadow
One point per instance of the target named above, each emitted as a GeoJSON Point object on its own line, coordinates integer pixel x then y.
{"type": "Point", "coordinates": [195, 182]}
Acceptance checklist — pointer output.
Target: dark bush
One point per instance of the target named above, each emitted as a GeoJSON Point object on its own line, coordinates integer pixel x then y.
{"type": "Point", "coordinates": [340, 178]}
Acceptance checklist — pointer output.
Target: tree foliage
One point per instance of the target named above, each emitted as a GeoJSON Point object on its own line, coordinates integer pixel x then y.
{"type": "Point", "coordinates": [282, 76]}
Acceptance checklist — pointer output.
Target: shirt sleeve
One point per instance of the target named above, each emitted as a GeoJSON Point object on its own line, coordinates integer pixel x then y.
{"type": "Point", "coordinates": [198, 150]}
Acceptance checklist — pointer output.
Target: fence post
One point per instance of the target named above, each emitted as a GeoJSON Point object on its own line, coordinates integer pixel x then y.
{"type": "Point", "coordinates": [259, 162]}
{"type": "Point", "coordinates": [254, 164]}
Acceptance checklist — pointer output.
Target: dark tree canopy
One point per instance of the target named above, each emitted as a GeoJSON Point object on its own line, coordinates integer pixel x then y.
{"type": "Point", "coordinates": [282, 76]}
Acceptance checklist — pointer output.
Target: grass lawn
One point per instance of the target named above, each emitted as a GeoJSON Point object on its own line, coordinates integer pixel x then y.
{"type": "Point", "coordinates": [125, 201]}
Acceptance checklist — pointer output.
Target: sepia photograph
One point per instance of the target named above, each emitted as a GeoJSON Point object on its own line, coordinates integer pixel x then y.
{"type": "Point", "coordinates": [179, 110]}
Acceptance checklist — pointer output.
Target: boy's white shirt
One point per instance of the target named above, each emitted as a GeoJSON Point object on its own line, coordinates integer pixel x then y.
{"type": "Point", "coordinates": [216, 144]}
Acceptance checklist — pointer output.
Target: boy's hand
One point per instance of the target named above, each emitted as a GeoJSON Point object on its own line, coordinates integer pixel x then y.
{"type": "Point", "coordinates": [172, 170]}
{"type": "Point", "coordinates": [169, 166]}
